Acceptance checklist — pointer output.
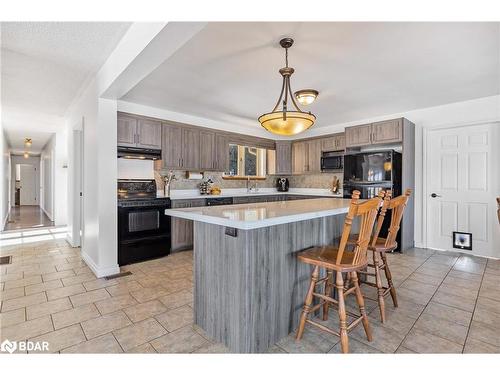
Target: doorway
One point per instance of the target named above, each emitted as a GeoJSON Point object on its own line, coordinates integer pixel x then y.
{"type": "Point", "coordinates": [26, 185]}
{"type": "Point", "coordinates": [462, 181]}
{"type": "Point", "coordinates": [25, 211]}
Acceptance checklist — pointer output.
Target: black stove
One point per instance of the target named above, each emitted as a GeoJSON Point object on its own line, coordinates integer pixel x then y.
{"type": "Point", "coordinates": [143, 227]}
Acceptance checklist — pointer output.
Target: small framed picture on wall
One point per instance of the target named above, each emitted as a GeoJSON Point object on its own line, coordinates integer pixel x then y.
{"type": "Point", "coordinates": [462, 240]}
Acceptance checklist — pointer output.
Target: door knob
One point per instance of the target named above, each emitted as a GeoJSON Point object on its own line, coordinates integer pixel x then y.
{"type": "Point", "coordinates": [434, 195]}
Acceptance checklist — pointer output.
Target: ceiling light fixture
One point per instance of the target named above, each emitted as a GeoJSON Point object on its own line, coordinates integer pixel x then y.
{"type": "Point", "coordinates": [306, 96]}
{"type": "Point", "coordinates": [283, 121]}
{"type": "Point", "coordinates": [27, 142]}
{"type": "Point", "coordinates": [26, 154]}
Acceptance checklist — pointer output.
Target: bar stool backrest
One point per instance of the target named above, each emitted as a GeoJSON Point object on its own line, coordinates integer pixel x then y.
{"type": "Point", "coordinates": [367, 211]}
{"type": "Point", "coordinates": [397, 206]}
{"type": "Point", "coordinates": [381, 214]}
{"type": "Point", "coordinates": [498, 210]}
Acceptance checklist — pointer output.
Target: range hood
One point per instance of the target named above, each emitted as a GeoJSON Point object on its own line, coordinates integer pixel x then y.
{"type": "Point", "coordinates": [138, 153]}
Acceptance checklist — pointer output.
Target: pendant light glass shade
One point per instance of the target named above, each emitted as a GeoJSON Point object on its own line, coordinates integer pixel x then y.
{"type": "Point", "coordinates": [306, 97]}
{"type": "Point", "coordinates": [281, 120]}
{"type": "Point", "coordinates": [295, 123]}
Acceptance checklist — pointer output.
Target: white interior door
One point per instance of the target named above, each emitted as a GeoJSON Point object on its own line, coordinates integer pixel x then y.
{"type": "Point", "coordinates": [27, 185]}
{"type": "Point", "coordinates": [462, 181]}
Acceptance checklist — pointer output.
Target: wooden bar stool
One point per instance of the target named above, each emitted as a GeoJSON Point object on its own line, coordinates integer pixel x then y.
{"type": "Point", "coordinates": [379, 246]}
{"type": "Point", "coordinates": [340, 261]}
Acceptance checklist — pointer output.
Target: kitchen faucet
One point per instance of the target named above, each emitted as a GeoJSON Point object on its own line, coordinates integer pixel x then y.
{"type": "Point", "coordinates": [250, 188]}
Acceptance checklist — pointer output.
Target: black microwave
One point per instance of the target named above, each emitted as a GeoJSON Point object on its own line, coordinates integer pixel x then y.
{"type": "Point", "coordinates": [332, 161]}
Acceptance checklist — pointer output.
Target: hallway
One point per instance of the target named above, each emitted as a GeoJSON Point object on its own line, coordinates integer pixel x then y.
{"type": "Point", "coordinates": [22, 217]}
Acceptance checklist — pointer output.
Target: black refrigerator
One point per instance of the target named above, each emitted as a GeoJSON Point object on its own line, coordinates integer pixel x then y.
{"type": "Point", "coordinates": [372, 171]}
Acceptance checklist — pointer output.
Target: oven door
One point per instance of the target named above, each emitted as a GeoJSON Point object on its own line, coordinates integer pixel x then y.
{"type": "Point", "coordinates": [135, 223]}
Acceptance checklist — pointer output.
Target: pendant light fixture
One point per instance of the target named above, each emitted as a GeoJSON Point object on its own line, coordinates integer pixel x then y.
{"type": "Point", "coordinates": [287, 120]}
{"type": "Point", "coordinates": [306, 96]}
{"type": "Point", "coordinates": [28, 142]}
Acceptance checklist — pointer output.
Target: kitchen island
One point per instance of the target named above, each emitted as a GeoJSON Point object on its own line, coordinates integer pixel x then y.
{"type": "Point", "coordinates": [249, 287]}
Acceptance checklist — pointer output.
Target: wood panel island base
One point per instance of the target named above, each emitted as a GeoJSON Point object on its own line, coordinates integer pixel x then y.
{"type": "Point", "coordinates": [249, 288]}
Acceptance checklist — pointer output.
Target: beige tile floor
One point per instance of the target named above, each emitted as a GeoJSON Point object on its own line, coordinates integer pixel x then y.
{"type": "Point", "coordinates": [449, 303]}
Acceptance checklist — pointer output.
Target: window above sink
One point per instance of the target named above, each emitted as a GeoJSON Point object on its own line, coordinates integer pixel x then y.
{"type": "Point", "coordinates": [246, 161]}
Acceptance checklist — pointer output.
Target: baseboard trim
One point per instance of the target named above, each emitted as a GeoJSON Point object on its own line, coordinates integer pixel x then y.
{"type": "Point", "coordinates": [465, 252]}
{"type": "Point", "coordinates": [100, 272]}
{"type": "Point", "coordinates": [46, 213]}
{"type": "Point", "coordinates": [5, 219]}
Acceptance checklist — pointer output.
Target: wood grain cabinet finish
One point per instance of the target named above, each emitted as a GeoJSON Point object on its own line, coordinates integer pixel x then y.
{"type": "Point", "coordinates": [390, 131]}
{"type": "Point", "coordinates": [207, 150]}
{"type": "Point", "coordinates": [299, 157]}
{"type": "Point", "coordinates": [387, 131]}
{"type": "Point", "coordinates": [221, 152]}
{"type": "Point", "coordinates": [182, 230]}
{"type": "Point", "coordinates": [334, 143]}
{"type": "Point", "coordinates": [358, 135]}
{"type": "Point", "coordinates": [171, 150]}
{"type": "Point", "coordinates": [283, 157]}
{"type": "Point", "coordinates": [190, 149]}
{"type": "Point", "coordinates": [314, 156]}
{"type": "Point", "coordinates": [149, 134]}
{"type": "Point", "coordinates": [141, 133]}
{"type": "Point", "coordinates": [126, 131]}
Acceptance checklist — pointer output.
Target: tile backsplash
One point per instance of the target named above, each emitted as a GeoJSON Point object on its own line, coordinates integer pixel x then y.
{"type": "Point", "coordinates": [315, 181]}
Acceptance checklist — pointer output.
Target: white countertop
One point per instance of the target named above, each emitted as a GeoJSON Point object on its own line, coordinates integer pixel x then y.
{"type": "Point", "coordinates": [195, 194]}
{"type": "Point", "coordinates": [259, 215]}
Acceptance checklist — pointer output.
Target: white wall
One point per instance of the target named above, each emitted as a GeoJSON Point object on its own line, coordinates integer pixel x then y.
{"type": "Point", "coordinates": [5, 176]}
{"type": "Point", "coordinates": [32, 160]}
{"type": "Point", "coordinates": [99, 240]}
{"type": "Point", "coordinates": [47, 178]}
{"type": "Point", "coordinates": [60, 166]}
{"type": "Point", "coordinates": [135, 169]}
{"type": "Point", "coordinates": [129, 62]}
{"type": "Point", "coordinates": [54, 178]}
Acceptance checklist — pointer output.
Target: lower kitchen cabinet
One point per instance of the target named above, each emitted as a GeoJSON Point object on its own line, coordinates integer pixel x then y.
{"type": "Point", "coordinates": [241, 200]}
{"type": "Point", "coordinates": [182, 230]}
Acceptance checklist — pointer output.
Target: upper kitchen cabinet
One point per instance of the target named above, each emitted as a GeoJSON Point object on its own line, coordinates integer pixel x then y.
{"type": "Point", "coordinates": [387, 131]}
{"type": "Point", "coordinates": [190, 149]}
{"type": "Point", "coordinates": [171, 151]}
{"type": "Point", "coordinates": [149, 134]}
{"type": "Point", "coordinates": [299, 157]}
{"type": "Point", "coordinates": [207, 150]}
{"type": "Point", "coordinates": [335, 142]}
{"type": "Point", "coordinates": [358, 135]}
{"type": "Point", "coordinates": [138, 132]}
{"type": "Point", "coordinates": [390, 131]}
{"type": "Point", "coordinates": [314, 156]}
{"type": "Point", "coordinates": [306, 156]}
{"type": "Point", "coordinates": [221, 152]}
{"type": "Point", "coordinates": [127, 131]}
{"type": "Point", "coordinates": [283, 157]}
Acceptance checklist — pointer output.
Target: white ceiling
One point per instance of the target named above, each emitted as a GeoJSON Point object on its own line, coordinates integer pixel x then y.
{"type": "Point", "coordinates": [229, 71]}
{"type": "Point", "coordinates": [44, 64]}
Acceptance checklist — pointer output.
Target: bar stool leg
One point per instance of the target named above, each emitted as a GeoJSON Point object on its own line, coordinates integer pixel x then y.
{"type": "Point", "coordinates": [344, 341]}
{"type": "Point", "coordinates": [308, 302]}
{"type": "Point", "coordinates": [380, 289]}
{"type": "Point", "coordinates": [361, 303]}
{"type": "Point", "coordinates": [328, 292]}
{"type": "Point", "coordinates": [389, 280]}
